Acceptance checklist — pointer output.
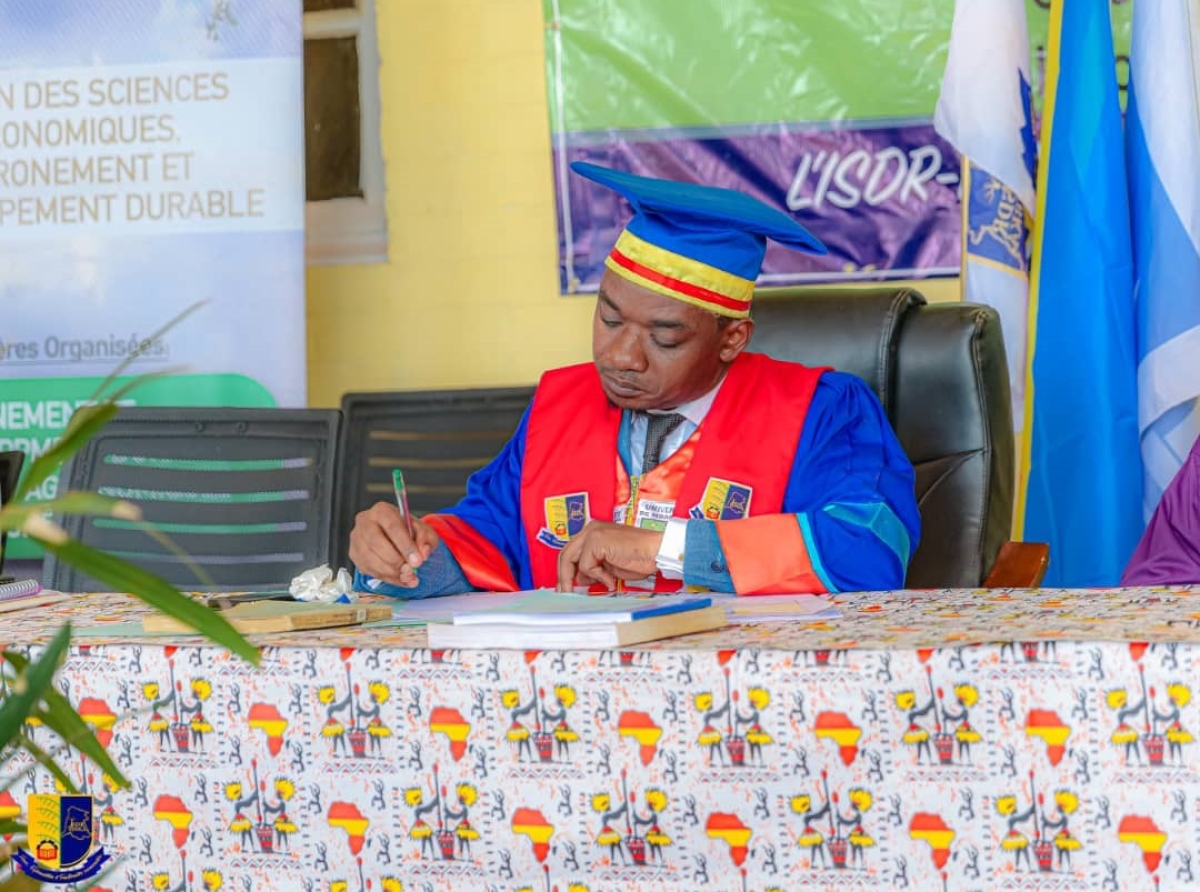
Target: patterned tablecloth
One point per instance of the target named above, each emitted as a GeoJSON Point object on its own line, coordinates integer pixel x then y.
{"type": "Point", "coordinates": [925, 740]}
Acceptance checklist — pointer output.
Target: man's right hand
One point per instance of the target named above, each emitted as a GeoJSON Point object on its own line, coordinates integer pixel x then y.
{"type": "Point", "coordinates": [381, 547]}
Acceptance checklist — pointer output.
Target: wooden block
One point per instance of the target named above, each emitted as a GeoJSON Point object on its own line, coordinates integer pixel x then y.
{"type": "Point", "coordinates": [1019, 565]}
{"type": "Point", "coordinates": [281, 616]}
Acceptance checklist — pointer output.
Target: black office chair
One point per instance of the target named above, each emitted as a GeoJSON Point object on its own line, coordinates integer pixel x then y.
{"type": "Point", "coordinates": [247, 494]}
{"type": "Point", "coordinates": [941, 373]}
{"type": "Point", "coordinates": [438, 438]}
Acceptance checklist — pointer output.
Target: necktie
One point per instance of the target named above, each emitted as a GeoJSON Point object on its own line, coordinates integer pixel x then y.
{"type": "Point", "coordinates": [658, 428]}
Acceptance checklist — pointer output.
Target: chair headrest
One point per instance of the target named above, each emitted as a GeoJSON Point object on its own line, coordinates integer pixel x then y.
{"type": "Point", "coordinates": [859, 336]}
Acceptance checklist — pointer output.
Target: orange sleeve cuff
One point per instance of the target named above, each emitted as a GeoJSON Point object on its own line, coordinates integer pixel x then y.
{"type": "Point", "coordinates": [481, 561]}
{"type": "Point", "coordinates": [767, 555]}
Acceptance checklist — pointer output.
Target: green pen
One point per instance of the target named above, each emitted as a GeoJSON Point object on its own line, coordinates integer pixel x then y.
{"type": "Point", "coordinates": [402, 502]}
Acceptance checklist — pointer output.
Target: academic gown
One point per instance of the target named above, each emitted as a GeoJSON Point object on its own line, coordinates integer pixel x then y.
{"type": "Point", "coordinates": [1169, 552]}
{"type": "Point", "coordinates": [850, 490]}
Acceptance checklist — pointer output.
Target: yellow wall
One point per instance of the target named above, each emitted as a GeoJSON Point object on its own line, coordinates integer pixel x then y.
{"type": "Point", "coordinates": [469, 297]}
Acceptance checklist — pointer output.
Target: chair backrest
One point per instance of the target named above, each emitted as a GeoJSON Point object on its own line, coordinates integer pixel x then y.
{"type": "Point", "coordinates": [247, 494]}
{"type": "Point", "coordinates": [10, 473]}
{"type": "Point", "coordinates": [437, 438]}
{"type": "Point", "coordinates": [940, 371]}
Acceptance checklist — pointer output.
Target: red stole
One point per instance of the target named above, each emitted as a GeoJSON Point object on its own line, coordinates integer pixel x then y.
{"type": "Point", "coordinates": [749, 437]}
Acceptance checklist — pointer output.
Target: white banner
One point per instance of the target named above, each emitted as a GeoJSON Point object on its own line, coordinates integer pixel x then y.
{"type": "Point", "coordinates": [151, 156]}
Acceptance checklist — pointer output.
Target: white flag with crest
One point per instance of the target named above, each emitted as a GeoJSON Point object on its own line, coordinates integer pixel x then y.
{"type": "Point", "coordinates": [985, 112]}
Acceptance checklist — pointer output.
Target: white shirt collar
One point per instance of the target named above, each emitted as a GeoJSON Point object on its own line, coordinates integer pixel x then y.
{"type": "Point", "coordinates": [695, 410]}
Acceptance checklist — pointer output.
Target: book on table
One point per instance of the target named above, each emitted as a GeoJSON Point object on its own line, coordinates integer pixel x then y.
{"type": "Point", "coordinates": [27, 593]}
{"type": "Point", "coordinates": [547, 620]}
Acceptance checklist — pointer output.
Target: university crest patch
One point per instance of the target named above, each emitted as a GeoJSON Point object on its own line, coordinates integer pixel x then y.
{"type": "Point", "coordinates": [62, 840]}
{"type": "Point", "coordinates": [723, 500]}
{"type": "Point", "coordinates": [565, 517]}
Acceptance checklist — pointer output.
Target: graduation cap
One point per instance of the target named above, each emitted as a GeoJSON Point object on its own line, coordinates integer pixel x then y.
{"type": "Point", "coordinates": [698, 244]}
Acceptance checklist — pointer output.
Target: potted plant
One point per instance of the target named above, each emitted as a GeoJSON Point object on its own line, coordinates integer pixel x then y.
{"type": "Point", "coordinates": [29, 690]}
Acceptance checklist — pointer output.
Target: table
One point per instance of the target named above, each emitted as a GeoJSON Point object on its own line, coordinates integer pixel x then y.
{"type": "Point", "coordinates": [903, 746]}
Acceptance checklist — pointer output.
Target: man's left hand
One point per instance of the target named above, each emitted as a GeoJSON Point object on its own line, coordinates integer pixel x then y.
{"type": "Point", "coordinates": [606, 552]}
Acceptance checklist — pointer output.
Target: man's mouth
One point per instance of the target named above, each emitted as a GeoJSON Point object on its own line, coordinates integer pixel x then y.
{"type": "Point", "coordinates": [621, 387]}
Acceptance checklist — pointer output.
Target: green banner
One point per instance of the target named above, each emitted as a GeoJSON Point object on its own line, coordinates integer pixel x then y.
{"type": "Point", "coordinates": [630, 64]}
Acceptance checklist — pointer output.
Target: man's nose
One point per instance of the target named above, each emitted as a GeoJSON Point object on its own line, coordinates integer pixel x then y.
{"type": "Point", "coordinates": [626, 353]}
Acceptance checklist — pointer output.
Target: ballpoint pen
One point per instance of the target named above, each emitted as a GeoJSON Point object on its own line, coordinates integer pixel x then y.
{"type": "Point", "coordinates": [402, 502]}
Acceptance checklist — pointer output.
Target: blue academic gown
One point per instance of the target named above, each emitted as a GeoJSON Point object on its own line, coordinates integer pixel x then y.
{"type": "Point", "coordinates": [851, 489]}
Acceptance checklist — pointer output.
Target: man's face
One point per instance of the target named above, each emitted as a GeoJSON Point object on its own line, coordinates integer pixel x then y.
{"type": "Point", "coordinates": [655, 352]}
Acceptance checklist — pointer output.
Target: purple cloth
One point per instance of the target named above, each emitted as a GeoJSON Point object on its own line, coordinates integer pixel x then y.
{"type": "Point", "coordinates": [884, 199]}
{"type": "Point", "coordinates": [1169, 553]}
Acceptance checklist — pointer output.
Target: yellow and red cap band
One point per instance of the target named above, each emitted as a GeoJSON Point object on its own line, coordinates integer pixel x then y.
{"type": "Point", "coordinates": [680, 277]}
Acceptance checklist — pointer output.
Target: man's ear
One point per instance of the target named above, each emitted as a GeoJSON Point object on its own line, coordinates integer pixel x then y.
{"type": "Point", "coordinates": [735, 336]}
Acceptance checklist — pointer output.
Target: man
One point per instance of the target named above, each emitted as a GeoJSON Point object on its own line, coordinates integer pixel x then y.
{"type": "Point", "coordinates": [676, 458]}
{"type": "Point", "coordinates": [1169, 553]}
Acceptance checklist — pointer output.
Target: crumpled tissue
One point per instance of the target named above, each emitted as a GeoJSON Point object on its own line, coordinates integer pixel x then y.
{"type": "Point", "coordinates": [319, 584]}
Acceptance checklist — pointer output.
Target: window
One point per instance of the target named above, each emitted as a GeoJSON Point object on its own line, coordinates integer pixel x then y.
{"type": "Point", "coordinates": [346, 220]}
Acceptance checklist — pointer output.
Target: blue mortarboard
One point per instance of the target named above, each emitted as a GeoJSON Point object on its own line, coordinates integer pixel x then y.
{"type": "Point", "coordinates": [696, 243]}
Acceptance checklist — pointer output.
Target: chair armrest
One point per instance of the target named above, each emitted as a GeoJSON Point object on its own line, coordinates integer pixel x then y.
{"type": "Point", "coordinates": [1019, 565]}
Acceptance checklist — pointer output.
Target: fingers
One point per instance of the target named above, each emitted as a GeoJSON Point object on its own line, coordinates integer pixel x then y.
{"type": "Point", "coordinates": [380, 546]}
{"type": "Point", "coordinates": [427, 540]}
{"type": "Point", "coordinates": [381, 562]}
{"type": "Point", "coordinates": [583, 559]}
{"type": "Point", "coordinates": [387, 518]}
{"type": "Point", "coordinates": [592, 568]}
{"type": "Point", "coordinates": [568, 563]}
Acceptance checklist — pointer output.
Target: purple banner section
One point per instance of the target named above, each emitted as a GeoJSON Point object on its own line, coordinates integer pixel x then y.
{"type": "Point", "coordinates": [883, 199]}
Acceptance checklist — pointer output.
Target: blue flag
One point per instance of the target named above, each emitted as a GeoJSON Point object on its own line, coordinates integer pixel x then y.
{"type": "Point", "coordinates": [1085, 476]}
{"type": "Point", "coordinates": [1162, 132]}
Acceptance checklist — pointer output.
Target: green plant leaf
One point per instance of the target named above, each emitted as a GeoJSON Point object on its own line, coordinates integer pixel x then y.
{"type": "Point", "coordinates": [135, 383]}
{"type": "Point", "coordinates": [81, 502]}
{"type": "Point", "coordinates": [170, 545]}
{"type": "Point", "coordinates": [87, 420]}
{"type": "Point", "coordinates": [12, 516]}
{"type": "Point", "coordinates": [30, 685]}
{"type": "Point", "coordinates": [46, 760]}
{"type": "Point", "coordinates": [134, 354]}
{"type": "Point", "coordinates": [60, 716]}
{"type": "Point", "coordinates": [155, 591]}
{"type": "Point", "coordinates": [85, 423]}
{"type": "Point", "coordinates": [12, 779]}
{"type": "Point", "coordinates": [20, 882]}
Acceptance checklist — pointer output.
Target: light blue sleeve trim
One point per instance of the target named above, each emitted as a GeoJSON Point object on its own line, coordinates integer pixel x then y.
{"type": "Point", "coordinates": [880, 519]}
{"type": "Point", "coordinates": [814, 556]}
{"type": "Point", "coordinates": [703, 558]}
{"type": "Point", "coordinates": [438, 576]}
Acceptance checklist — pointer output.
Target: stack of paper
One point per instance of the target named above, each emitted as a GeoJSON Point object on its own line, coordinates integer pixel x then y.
{"type": "Point", "coordinates": [777, 608]}
{"type": "Point", "coordinates": [546, 620]}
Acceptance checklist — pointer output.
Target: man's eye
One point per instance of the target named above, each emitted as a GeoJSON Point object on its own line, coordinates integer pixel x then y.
{"type": "Point", "coordinates": [610, 323]}
{"type": "Point", "coordinates": [667, 346]}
